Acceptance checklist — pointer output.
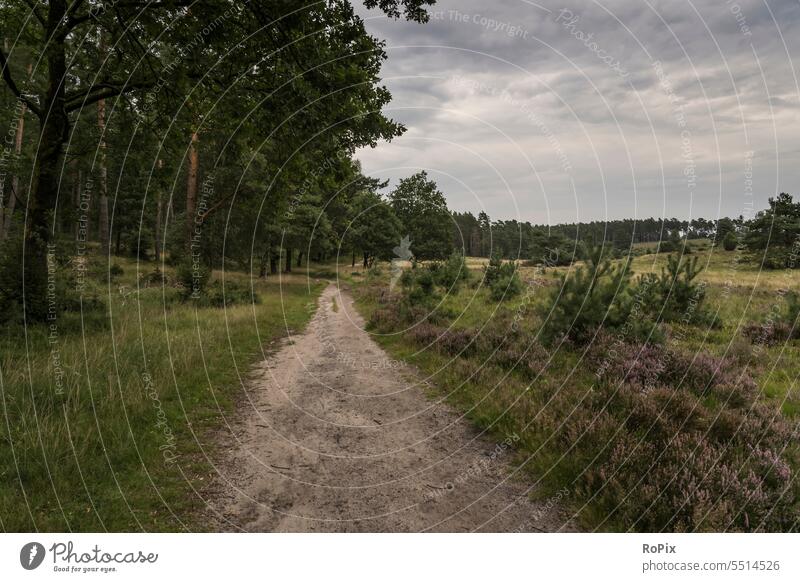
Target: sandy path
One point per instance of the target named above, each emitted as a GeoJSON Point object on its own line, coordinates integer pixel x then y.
{"type": "Point", "coordinates": [338, 437]}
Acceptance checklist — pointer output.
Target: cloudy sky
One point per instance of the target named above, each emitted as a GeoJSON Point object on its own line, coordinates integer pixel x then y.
{"type": "Point", "coordinates": [587, 110]}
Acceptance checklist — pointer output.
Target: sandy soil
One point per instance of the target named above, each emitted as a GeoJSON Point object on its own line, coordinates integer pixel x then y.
{"type": "Point", "coordinates": [336, 436]}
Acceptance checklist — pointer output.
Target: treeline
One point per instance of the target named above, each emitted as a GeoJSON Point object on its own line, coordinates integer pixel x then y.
{"type": "Point", "coordinates": [203, 132]}
{"type": "Point", "coordinates": [771, 238]}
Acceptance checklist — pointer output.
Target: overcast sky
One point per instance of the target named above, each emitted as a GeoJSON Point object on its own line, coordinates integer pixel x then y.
{"type": "Point", "coordinates": [559, 112]}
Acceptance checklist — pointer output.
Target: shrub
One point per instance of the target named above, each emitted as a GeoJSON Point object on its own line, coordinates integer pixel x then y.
{"type": "Point", "coordinates": [419, 286]}
{"type": "Point", "coordinates": [493, 270]}
{"type": "Point", "coordinates": [115, 270]}
{"type": "Point", "coordinates": [215, 295]}
{"type": "Point", "coordinates": [451, 272]}
{"type": "Point", "coordinates": [597, 294]}
{"type": "Point", "coordinates": [156, 278]}
{"type": "Point", "coordinates": [193, 277]}
{"type": "Point", "coordinates": [730, 242]}
{"type": "Point", "coordinates": [675, 296]}
{"type": "Point", "coordinates": [778, 328]}
{"type": "Point", "coordinates": [506, 287]}
{"type": "Point", "coordinates": [502, 278]}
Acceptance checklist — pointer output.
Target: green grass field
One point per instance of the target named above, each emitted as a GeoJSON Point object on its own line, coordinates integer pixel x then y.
{"type": "Point", "coordinates": [109, 417]}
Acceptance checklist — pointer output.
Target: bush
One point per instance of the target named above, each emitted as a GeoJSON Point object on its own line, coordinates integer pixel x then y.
{"type": "Point", "coordinates": [730, 242]}
{"type": "Point", "coordinates": [506, 287]}
{"type": "Point", "coordinates": [215, 295]}
{"type": "Point", "coordinates": [451, 272]}
{"type": "Point", "coordinates": [674, 296]}
{"type": "Point", "coordinates": [193, 276]}
{"type": "Point", "coordinates": [783, 327]}
{"type": "Point", "coordinates": [596, 295]}
{"type": "Point", "coordinates": [419, 286]}
{"type": "Point", "coordinates": [493, 270]}
{"type": "Point", "coordinates": [115, 270]}
{"type": "Point", "coordinates": [502, 278]}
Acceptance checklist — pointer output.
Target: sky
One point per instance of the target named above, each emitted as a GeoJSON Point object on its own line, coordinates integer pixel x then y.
{"type": "Point", "coordinates": [558, 112]}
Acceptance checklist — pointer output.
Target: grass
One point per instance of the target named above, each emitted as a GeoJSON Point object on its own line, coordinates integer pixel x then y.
{"type": "Point", "coordinates": [109, 417]}
{"type": "Point", "coordinates": [506, 400]}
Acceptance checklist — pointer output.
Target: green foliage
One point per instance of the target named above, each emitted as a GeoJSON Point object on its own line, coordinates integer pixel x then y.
{"type": "Point", "coordinates": [791, 315]}
{"type": "Point", "coordinates": [193, 277]}
{"type": "Point", "coordinates": [596, 295]}
{"type": "Point", "coordinates": [450, 273]}
{"type": "Point", "coordinates": [773, 237]}
{"type": "Point", "coordinates": [675, 295]}
{"type": "Point", "coordinates": [424, 216]}
{"type": "Point", "coordinates": [218, 295]}
{"type": "Point", "coordinates": [671, 244]}
{"type": "Point", "coordinates": [730, 242]}
{"type": "Point", "coordinates": [506, 287]}
{"type": "Point", "coordinates": [419, 286]}
{"type": "Point", "coordinates": [725, 226]}
{"type": "Point", "coordinates": [374, 229]}
{"type": "Point", "coordinates": [502, 278]}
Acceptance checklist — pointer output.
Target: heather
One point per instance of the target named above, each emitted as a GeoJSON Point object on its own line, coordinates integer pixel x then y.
{"type": "Point", "coordinates": [656, 406]}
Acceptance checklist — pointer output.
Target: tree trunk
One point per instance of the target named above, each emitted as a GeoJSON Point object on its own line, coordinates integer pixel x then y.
{"type": "Point", "coordinates": [288, 261]}
{"type": "Point", "coordinates": [76, 199]}
{"type": "Point", "coordinates": [103, 225]}
{"type": "Point", "coordinates": [42, 202]}
{"type": "Point", "coordinates": [353, 264]}
{"type": "Point", "coordinates": [159, 219]}
{"type": "Point", "coordinates": [273, 262]}
{"type": "Point", "coordinates": [191, 190]}
{"type": "Point", "coordinates": [366, 260]}
{"type": "Point", "coordinates": [300, 259]}
{"type": "Point", "coordinates": [159, 212]}
{"type": "Point", "coordinates": [263, 264]}
{"type": "Point", "coordinates": [8, 214]}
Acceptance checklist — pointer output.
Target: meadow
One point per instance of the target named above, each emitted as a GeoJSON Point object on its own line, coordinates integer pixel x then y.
{"type": "Point", "coordinates": [697, 433]}
{"type": "Point", "coordinates": [110, 414]}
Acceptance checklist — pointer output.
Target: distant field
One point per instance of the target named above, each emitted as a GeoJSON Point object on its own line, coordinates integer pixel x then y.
{"type": "Point", "coordinates": [110, 422]}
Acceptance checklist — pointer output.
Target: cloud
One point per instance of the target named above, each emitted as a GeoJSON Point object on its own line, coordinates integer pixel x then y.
{"type": "Point", "coordinates": [586, 110]}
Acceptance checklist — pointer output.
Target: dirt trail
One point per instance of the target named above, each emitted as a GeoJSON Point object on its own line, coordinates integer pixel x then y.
{"type": "Point", "coordinates": [336, 436]}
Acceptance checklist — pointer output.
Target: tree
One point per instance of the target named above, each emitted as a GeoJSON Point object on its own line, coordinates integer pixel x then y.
{"type": "Point", "coordinates": [774, 233]}
{"type": "Point", "coordinates": [724, 226]}
{"type": "Point", "coordinates": [596, 295]}
{"type": "Point", "coordinates": [424, 216]}
{"type": "Point", "coordinates": [485, 226]}
{"type": "Point", "coordinates": [730, 242]}
{"type": "Point", "coordinates": [375, 228]}
{"type": "Point", "coordinates": [164, 51]}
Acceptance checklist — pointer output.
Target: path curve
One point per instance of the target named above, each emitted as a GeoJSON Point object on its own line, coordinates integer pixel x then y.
{"type": "Point", "coordinates": [336, 436]}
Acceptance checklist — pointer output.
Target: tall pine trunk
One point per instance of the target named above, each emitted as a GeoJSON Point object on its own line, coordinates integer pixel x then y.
{"type": "Point", "coordinates": [191, 190]}
{"type": "Point", "coordinates": [159, 217]}
{"type": "Point", "coordinates": [105, 230]}
{"type": "Point", "coordinates": [288, 261]}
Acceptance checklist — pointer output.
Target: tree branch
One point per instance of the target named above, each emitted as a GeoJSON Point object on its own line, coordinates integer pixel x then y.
{"type": "Point", "coordinates": [36, 11]}
{"type": "Point", "coordinates": [13, 86]}
{"type": "Point", "coordinates": [100, 91]}
{"type": "Point", "coordinates": [216, 206]}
